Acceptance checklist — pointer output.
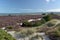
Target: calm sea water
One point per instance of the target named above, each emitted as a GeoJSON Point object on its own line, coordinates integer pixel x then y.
{"type": "Point", "coordinates": [6, 14]}
{"type": "Point", "coordinates": [37, 13]}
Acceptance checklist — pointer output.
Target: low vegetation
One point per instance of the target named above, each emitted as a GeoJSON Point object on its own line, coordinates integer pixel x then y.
{"type": "Point", "coordinates": [5, 36]}
{"type": "Point", "coordinates": [38, 37]}
{"type": "Point", "coordinates": [47, 18]}
{"type": "Point", "coordinates": [50, 24]}
{"type": "Point", "coordinates": [33, 28]}
{"type": "Point", "coordinates": [54, 34]}
{"type": "Point", "coordinates": [31, 24]}
{"type": "Point", "coordinates": [37, 23]}
{"type": "Point", "coordinates": [9, 27]}
{"type": "Point", "coordinates": [25, 32]}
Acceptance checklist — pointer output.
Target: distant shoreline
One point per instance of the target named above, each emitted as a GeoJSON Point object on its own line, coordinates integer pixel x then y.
{"type": "Point", "coordinates": [17, 14]}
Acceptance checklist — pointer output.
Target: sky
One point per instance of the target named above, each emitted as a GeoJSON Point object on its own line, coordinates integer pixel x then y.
{"type": "Point", "coordinates": [24, 6]}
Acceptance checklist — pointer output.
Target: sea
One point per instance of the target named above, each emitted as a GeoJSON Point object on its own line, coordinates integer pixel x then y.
{"type": "Point", "coordinates": [36, 13]}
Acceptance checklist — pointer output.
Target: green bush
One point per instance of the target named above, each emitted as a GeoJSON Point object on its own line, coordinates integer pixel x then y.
{"type": "Point", "coordinates": [47, 18]}
{"type": "Point", "coordinates": [33, 24]}
{"type": "Point", "coordinates": [5, 36]}
{"type": "Point", "coordinates": [56, 33]}
{"type": "Point", "coordinates": [37, 23]}
{"type": "Point", "coordinates": [36, 37]}
{"type": "Point", "coordinates": [26, 32]}
{"type": "Point", "coordinates": [9, 27]}
{"type": "Point", "coordinates": [50, 24]}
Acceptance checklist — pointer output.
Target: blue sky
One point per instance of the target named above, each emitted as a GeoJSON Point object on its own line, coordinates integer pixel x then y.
{"type": "Point", "coordinates": [21, 6]}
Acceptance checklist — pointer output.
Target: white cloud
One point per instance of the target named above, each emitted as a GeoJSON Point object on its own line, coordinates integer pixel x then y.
{"type": "Point", "coordinates": [53, 10]}
{"type": "Point", "coordinates": [49, 1]}
{"type": "Point", "coordinates": [26, 9]}
{"type": "Point", "coordinates": [32, 9]}
{"type": "Point", "coordinates": [35, 10]}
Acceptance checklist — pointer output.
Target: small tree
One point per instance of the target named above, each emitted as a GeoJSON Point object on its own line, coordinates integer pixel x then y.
{"type": "Point", "coordinates": [43, 14]}
{"type": "Point", "coordinates": [47, 17]}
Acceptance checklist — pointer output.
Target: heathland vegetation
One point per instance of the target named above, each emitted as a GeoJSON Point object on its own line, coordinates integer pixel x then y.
{"type": "Point", "coordinates": [48, 24]}
{"type": "Point", "coordinates": [5, 36]}
{"type": "Point", "coordinates": [43, 20]}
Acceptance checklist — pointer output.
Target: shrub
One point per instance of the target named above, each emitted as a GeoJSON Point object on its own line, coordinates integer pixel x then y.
{"type": "Point", "coordinates": [47, 18]}
{"type": "Point", "coordinates": [25, 32]}
{"type": "Point", "coordinates": [33, 23]}
{"type": "Point", "coordinates": [38, 37]}
{"type": "Point", "coordinates": [5, 36]}
{"type": "Point", "coordinates": [9, 27]}
{"type": "Point", "coordinates": [50, 24]}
